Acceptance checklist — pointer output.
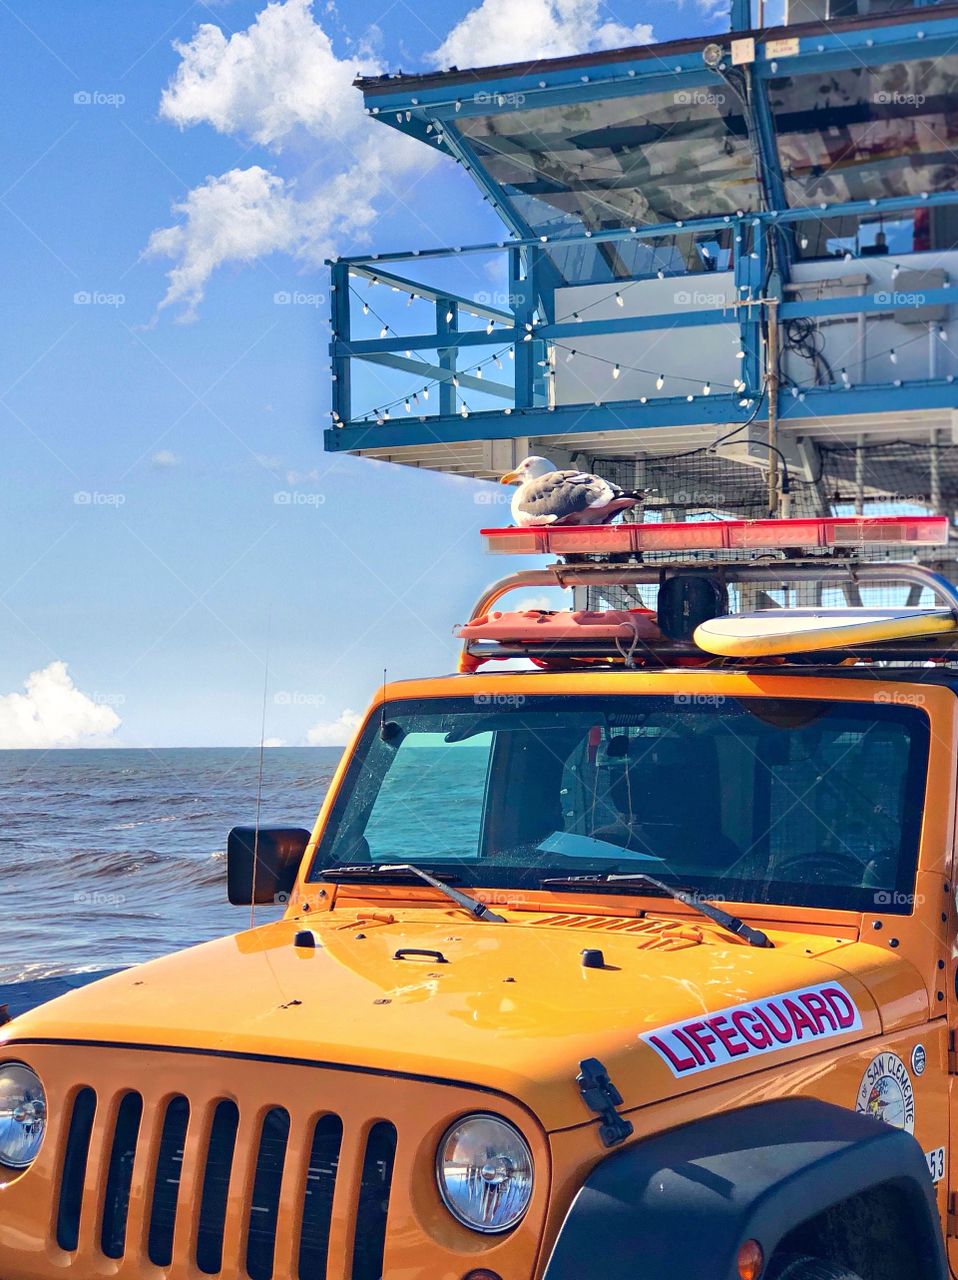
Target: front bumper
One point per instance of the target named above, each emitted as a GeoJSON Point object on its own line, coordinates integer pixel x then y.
{"type": "Point", "coordinates": [177, 1164]}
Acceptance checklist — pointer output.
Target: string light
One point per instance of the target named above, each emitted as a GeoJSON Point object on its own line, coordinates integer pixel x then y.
{"type": "Point", "coordinates": [616, 371]}
{"type": "Point", "coordinates": [490, 326]}
{"type": "Point", "coordinates": [845, 378]}
{"type": "Point", "coordinates": [707, 389]}
{"type": "Point", "coordinates": [365, 308]}
{"type": "Point", "coordinates": [384, 331]}
{"type": "Point", "coordinates": [570, 357]}
{"type": "Point", "coordinates": [620, 301]}
{"type": "Point", "coordinates": [660, 382]}
{"type": "Point", "coordinates": [408, 407]}
{"type": "Point", "coordinates": [893, 356]}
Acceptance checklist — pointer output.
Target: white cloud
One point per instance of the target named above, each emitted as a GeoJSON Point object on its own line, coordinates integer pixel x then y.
{"type": "Point", "coordinates": [532, 604]}
{"type": "Point", "coordinates": [334, 733]}
{"type": "Point", "coordinates": [500, 31]}
{"type": "Point", "coordinates": [279, 83]}
{"type": "Point", "coordinates": [54, 713]}
{"type": "Point", "coordinates": [165, 458]}
{"type": "Point", "coordinates": [274, 742]}
{"type": "Point", "coordinates": [265, 83]}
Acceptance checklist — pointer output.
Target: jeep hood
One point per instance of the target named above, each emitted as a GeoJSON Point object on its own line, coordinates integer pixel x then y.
{"type": "Point", "coordinates": [507, 1007]}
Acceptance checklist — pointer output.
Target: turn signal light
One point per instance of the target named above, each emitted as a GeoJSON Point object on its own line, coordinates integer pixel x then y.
{"type": "Point", "coordinates": [751, 1260]}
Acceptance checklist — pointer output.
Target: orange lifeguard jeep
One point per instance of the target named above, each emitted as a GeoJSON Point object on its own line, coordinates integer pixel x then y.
{"type": "Point", "coordinates": [638, 964]}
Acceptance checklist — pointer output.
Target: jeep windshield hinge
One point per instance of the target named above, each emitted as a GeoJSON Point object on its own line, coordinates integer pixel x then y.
{"type": "Point", "coordinates": [601, 1096]}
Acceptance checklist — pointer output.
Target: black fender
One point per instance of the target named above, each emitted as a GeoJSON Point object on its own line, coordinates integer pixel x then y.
{"type": "Point", "coordinates": [683, 1202]}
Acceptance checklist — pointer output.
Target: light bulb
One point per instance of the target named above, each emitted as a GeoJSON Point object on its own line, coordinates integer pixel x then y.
{"type": "Point", "coordinates": [707, 389]}
{"type": "Point", "coordinates": [490, 326]}
{"type": "Point", "coordinates": [570, 356]}
{"type": "Point", "coordinates": [619, 299]}
{"type": "Point", "coordinates": [425, 393]}
{"type": "Point", "coordinates": [455, 381]}
{"type": "Point", "coordinates": [893, 356]}
{"type": "Point", "coordinates": [845, 377]}
{"type": "Point", "coordinates": [408, 407]}
{"type": "Point", "coordinates": [365, 308]}
{"type": "Point", "coordinates": [660, 382]}
{"type": "Point", "coordinates": [384, 331]}
{"type": "Point", "coordinates": [616, 371]}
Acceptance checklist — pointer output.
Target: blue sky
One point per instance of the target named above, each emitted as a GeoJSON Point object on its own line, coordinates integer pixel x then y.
{"type": "Point", "coordinates": [150, 421]}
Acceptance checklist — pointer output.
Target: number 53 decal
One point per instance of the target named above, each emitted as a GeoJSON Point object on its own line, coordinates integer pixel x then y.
{"type": "Point", "coordinates": [936, 1164]}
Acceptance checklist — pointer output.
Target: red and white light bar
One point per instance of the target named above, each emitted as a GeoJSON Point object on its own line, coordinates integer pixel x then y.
{"type": "Point", "coordinates": [721, 535]}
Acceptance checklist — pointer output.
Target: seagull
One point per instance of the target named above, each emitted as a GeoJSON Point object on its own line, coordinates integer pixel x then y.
{"type": "Point", "coordinates": [549, 496]}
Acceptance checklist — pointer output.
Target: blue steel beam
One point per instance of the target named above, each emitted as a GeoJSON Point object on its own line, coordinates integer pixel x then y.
{"type": "Point", "coordinates": [666, 230]}
{"type": "Point", "coordinates": [435, 373]}
{"type": "Point", "coordinates": [430, 293]}
{"type": "Point", "coordinates": [342, 365]}
{"type": "Point", "coordinates": [740, 17]}
{"type": "Point", "coordinates": [620, 415]}
{"type": "Point", "coordinates": [929, 34]}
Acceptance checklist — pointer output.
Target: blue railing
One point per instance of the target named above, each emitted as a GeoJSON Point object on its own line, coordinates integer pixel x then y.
{"type": "Point", "coordinates": [453, 356]}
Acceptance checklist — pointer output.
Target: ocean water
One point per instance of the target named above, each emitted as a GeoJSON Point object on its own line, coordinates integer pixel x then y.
{"type": "Point", "coordinates": [116, 856]}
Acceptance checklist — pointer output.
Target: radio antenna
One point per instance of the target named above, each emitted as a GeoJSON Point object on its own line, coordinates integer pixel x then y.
{"type": "Point", "coordinates": [259, 786]}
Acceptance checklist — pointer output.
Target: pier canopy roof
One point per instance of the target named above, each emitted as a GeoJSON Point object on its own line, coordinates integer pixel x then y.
{"type": "Point", "coordinates": [826, 112]}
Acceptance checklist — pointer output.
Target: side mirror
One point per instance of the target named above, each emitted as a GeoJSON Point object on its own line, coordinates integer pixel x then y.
{"type": "Point", "coordinates": [263, 869]}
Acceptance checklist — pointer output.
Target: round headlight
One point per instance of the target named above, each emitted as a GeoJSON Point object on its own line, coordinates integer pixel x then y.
{"type": "Point", "coordinates": [484, 1168]}
{"type": "Point", "coordinates": [23, 1115]}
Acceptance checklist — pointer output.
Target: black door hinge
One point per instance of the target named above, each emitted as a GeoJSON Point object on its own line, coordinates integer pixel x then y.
{"type": "Point", "coordinates": [601, 1096]}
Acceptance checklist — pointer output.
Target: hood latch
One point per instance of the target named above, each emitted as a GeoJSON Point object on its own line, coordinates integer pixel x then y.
{"type": "Point", "coordinates": [601, 1096]}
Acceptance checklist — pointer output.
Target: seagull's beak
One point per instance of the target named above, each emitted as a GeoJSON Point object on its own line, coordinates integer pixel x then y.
{"type": "Point", "coordinates": [511, 477]}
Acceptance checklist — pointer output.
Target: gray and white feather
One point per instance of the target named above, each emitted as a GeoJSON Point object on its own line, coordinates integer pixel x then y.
{"type": "Point", "coordinates": [546, 496]}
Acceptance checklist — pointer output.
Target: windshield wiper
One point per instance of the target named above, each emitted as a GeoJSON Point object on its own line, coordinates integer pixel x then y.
{"type": "Point", "coordinates": [754, 937]}
{"type": "Point", "coordinates": [384, 870]}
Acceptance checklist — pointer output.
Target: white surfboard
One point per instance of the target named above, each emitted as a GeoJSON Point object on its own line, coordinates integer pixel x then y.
{"type": "Point", "coordinates": [777, 631]}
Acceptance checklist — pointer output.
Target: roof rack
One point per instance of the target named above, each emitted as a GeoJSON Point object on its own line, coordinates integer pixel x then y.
{"type": "Point", "coordinates": [812, 553]}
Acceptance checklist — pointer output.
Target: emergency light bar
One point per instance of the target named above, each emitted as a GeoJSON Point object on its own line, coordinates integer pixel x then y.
{"type": "Point", "coordinates": [813, 533]}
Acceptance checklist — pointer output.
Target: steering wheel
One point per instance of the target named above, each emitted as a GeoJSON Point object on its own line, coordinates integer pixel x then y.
{"type": "Point", "coordinates": [825, 866]}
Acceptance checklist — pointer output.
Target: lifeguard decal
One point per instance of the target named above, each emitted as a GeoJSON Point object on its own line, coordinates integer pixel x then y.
{"type": "Point", "coordinates": [731, 1035]}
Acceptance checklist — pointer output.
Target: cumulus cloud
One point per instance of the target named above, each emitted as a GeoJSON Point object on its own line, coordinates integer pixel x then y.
{"type": "Point", "coordinates": [54, 713]}
{"type": "Point", "coordinates": [265, 83]}
{"type": "Point", "coordinates": [502, 31]}
{"type": "Point", "coordinates": [334, 733]}
{"type": "Point", "coordinates": [278, 84]}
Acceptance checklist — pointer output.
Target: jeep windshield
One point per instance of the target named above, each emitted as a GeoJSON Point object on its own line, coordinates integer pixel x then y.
{"type": "Point", "coordinates": [759, 800]}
